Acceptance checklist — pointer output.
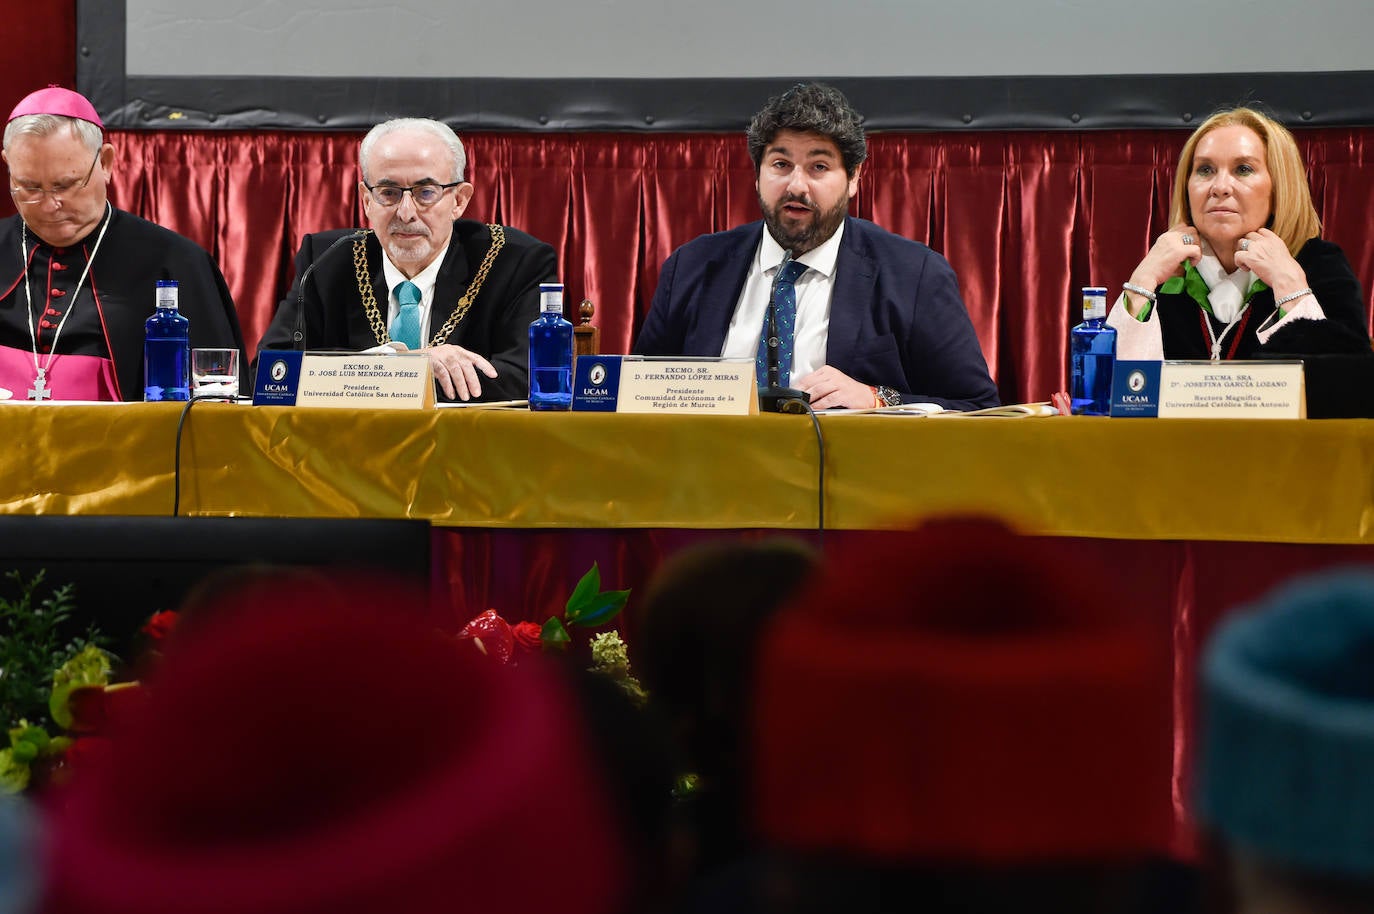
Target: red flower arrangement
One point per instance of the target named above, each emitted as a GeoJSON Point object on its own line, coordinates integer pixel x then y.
{"type": "Point", "coordinates": [588, 607]}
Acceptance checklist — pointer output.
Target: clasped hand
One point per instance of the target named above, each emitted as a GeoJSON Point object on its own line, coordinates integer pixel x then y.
{"type": "Point", "coordinates": [1262, 252]}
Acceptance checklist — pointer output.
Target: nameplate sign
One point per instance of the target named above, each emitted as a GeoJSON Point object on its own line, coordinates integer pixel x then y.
{"type": "Point", "coordinates": [1232, 390]}
{"type": "Point", "coordinates": [351, 380]}
{"type": "Point", "coordinates": [720, 387]}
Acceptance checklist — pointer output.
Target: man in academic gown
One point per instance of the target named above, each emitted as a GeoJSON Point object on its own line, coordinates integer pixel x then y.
{"type": "Point", "coordinates": [421, 278]}
{"type": "Point", "coordinates": [77, 276]}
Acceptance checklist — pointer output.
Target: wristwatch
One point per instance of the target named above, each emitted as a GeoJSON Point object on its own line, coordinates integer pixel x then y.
{"type": "Point", "coordinates": [887, 396]}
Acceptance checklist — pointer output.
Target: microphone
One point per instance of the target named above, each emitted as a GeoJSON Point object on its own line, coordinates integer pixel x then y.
{"type": "Point", "coordinates": [298, 335]}
{"type": "Point", "coordinates": [775, 398]}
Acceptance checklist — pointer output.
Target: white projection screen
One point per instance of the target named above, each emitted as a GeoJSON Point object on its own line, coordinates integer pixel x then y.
{"type": "Point", "coordinates": [705, 65]}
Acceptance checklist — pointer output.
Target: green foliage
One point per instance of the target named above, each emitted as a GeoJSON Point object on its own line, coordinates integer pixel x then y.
{"type": "Point", "coordinates": [590, 606]}
{"type": "Point", "coordinates": [553, 635]}
{"type": "Point", "coordinates": [90, 667]}
{"type": "Point", "coordinates": [32, 646]}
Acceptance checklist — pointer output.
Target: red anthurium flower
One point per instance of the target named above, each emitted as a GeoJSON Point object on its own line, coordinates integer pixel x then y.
{"type": "Point", "coordinates": [492, 635]}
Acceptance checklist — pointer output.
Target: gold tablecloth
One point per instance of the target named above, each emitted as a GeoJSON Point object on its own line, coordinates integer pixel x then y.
{"type": "Point", "coordinates": [1243, 480]}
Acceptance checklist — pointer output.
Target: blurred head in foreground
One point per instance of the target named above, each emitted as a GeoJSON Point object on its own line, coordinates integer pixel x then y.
{"type": "Point", "coordinates": [320, 749]}
{"type": "Point", "coordinates": [959, 714]}
{"type": "Point", "coordinates": [1287, 764]}
{"type": "Point", "coordinates": [702, 616]}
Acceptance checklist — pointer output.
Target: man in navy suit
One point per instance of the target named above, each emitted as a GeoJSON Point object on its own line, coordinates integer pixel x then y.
{"type": "Point", "coordinates": [879, 319]}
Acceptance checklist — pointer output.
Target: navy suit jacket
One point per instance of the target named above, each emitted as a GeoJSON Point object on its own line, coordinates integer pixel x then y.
{"type": "Point", "coordinates": [896, 317]}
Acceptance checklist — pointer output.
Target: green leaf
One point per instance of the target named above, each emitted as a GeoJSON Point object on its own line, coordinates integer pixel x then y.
{"type": "Point", "coordinates": [32, 644]}
{"type": "Point", "coordinates": [23, 753]}
{"type": "Point", "coordinates": [28, 735]}
{"type": "Point", "coordinates": [589, 606]}
{"type": "Point", "coordinates": [14, 775]}
{"type": "Point", "coordinates": [90, 667]}
{"type": "Point", "coordinates": [601, 609]}
{"type": "Point", "coordinates": [585, 591]}
{"type": "Point", "coordinates": [553, 635]}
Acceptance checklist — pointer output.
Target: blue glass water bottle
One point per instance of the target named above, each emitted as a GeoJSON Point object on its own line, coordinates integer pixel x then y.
{"type": "Point", "coordinates": [167, 348]}
{"type": "Point", "coordinates": [1093, 345]}
{"type": "Point", "coordinates": [551, 352]}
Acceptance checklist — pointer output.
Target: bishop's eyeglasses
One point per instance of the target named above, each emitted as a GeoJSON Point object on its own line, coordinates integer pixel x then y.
{"type": "Point", "coordinates": [27, 195]}
{"type": "Point", "coordinates": [426, 193]}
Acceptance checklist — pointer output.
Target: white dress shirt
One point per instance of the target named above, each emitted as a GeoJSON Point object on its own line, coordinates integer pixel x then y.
{"type": "Point", "coordinates": [424, 280]}
{"type": "Point", "coordinates": [814, 290]}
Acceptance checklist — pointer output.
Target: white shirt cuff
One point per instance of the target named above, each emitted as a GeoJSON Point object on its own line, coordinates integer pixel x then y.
{"type": "Point", "coordinates": [1305, 308]}
{"type": "Point", "coordinates": [1136, 341]}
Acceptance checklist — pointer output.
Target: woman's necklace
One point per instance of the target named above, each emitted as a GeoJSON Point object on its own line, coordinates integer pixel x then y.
{"type": "Point", "coordinates": [40, 381]}
{"type": "Point", "coordinates": [1218, 339]}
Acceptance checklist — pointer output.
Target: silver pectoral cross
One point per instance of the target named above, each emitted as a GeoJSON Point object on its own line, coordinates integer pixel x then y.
{"type": "Point", "coordinates": [40, 391]}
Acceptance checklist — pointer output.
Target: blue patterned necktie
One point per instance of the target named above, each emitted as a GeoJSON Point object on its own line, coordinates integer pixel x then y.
{"type": "Point", "coordinates": [406, 327]}
{"type": "Point", "coordinates": [786, 292]}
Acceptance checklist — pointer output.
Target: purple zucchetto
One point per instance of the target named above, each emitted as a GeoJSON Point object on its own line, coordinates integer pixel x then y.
{"type": "Point", "coordinates": [59, 101]}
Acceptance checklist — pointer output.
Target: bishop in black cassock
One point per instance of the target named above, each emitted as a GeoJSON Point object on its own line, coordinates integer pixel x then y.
{"type": "Point", "coordinates": [77, 276]}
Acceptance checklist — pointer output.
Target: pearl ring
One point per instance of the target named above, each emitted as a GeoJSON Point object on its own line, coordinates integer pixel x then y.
{"type": "Point", "coordinates": [1245, 244]}
{"type": "Point", "coordinates": [1187, 239]}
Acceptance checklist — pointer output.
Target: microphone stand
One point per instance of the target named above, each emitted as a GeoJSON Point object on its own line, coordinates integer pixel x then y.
{"type": "Point", "coordinates": [298, 334]}
{"type": "Point", "coordinates": [775, 398]}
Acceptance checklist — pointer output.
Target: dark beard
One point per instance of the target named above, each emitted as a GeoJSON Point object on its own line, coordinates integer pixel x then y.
{"type": "Point", "coordinates": [806, 237]}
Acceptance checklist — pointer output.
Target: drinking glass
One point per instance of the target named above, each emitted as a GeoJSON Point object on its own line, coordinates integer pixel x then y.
{"type": "Point", "coordinates": [215, 374]}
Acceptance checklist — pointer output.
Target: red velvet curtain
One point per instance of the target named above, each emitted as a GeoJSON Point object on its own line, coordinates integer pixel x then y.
{"type": "Point", "coordinates": [1025, 218]}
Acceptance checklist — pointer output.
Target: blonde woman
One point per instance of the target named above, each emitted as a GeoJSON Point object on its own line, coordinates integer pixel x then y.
{"type": "Point", "coordinates": [1243, 258]}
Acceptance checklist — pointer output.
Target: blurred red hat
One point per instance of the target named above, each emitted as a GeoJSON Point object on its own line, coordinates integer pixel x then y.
{"type": "Point", "coordinates": [321, 751]}
{"type": "Point", "coordinates": [960, 692]}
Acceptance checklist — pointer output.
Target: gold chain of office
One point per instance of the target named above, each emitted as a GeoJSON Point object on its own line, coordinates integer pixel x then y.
{"type": "Point", "coordinates": [374, 316]}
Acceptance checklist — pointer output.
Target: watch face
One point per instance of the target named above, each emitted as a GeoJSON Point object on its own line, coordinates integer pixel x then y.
{"type": "Point", "coordinates": [889, 396]}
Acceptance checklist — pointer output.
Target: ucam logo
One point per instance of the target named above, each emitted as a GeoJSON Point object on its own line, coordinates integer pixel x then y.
{"type": "Point", "coordinates": [278, 370]}
{"type": "Point", "coordinates": [597, 374]}
{"type": "Point", "coordinates": [1136, 380]}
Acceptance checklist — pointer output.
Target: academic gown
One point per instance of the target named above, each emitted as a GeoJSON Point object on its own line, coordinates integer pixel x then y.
{"type": "Point", "coordinates": [1332, 280]}
{"type": "Point", "coordinates": [330, 312]}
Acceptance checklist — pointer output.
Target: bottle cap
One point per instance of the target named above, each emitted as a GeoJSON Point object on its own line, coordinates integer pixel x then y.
{"type": "Point", "coordinates": [167, 293]}
{"type": "Point", "coordinates": [551, 296]}
{"type": "Point", "coordinates": [1094, 301]}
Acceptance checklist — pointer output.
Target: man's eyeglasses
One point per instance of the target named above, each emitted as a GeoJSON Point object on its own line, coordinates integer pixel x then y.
{"type": "Point", "coordinates": [426, 193]}
{"type": "Point", "coordinates": [27, 195]}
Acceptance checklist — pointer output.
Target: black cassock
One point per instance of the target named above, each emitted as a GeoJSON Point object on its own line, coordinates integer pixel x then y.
{"type": "Point", "coordinates": [105, 318]}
